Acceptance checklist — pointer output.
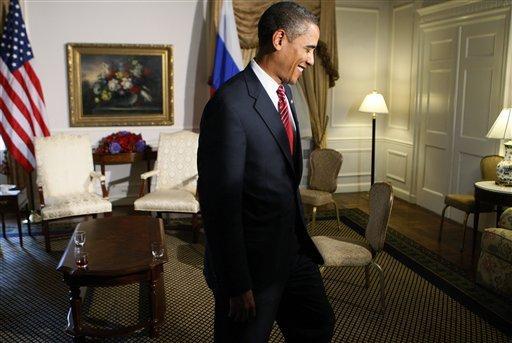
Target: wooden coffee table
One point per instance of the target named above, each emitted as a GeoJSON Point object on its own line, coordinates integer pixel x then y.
{"type": "Point", "coordinates": [119, 253]}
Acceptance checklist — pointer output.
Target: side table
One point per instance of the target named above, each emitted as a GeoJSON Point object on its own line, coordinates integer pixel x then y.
{"type": "Point", "coordinates": [491, 193]}
{"type": "Point", "coordinates": [15, 201]}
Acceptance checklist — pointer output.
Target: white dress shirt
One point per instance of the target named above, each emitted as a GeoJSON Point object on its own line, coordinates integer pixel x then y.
{"type": "Point", "coordinates": [270, 86]}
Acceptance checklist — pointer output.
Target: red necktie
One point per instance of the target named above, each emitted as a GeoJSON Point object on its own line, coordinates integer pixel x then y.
{"type": "Point", "coordinates": [284, 112]}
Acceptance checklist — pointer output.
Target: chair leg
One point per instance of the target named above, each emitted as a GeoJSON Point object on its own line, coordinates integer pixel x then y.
{"type": "Point", "coordinates": [3, 225]}
{"type": "Point", "coordinates": [464, 234]}
{"type": "Point", "coordinates": [442, 222]}
{"type": "Point", "coordinates": [46, 237]}
{"type": "Point", "coordinates": [313, 218]}
{"type": "Point", "coordinates": [367, 276]}
{"type": "Point", "coordinates": [195, 228]}
{"type": "Point", "coordinates": [337, 214]}
{"type": "Point", "coordinates": [382, 286]}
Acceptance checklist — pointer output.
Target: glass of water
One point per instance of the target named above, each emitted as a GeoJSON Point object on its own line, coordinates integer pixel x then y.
{"type": "Point", "coordinates": [157, 250]}
{"type": "Point", "coordinates": [79, 238]}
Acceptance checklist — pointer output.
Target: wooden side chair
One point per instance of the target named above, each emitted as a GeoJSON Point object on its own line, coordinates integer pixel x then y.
{"type": "Point", "coordinates": [345, 252]}
{"type": "Point", "coordinates": [324, 167]}
{"type": "Point", "coordinates": [466, 202]}
{"type": "Point", "coordinates": [176, 179]}
{"type": "Point", "coordinates": [65, 174]}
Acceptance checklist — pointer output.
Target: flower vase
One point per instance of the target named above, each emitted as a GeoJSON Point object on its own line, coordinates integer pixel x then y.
{"type": "Point", "coordinates": [504, 168]}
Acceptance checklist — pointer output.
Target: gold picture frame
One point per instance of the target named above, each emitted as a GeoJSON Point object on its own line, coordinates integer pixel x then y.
{"type": "Point", "coordinates": [120, 84]}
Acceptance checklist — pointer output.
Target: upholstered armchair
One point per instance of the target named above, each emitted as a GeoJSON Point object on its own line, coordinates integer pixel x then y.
{"type": "Point", "coordinates": [494, 268]}
{"type": "Point", "coordinates": [324, 167]}
{"type": "Point", "coordinates": [176, 178]}
{"type": "Point", "coordinates": [345, 252]}
{"type": "Point", "coordinates": [65, 175]}
{"type": "Point", "coordinates": [466, 202]}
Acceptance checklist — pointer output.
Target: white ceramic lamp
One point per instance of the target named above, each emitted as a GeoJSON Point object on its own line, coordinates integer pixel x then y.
{"type": "Point", "coordinates": [502, 129]}
{"type": "Point", "coordinates": [373, 103]}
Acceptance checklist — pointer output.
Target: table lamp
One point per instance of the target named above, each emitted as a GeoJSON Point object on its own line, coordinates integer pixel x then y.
{"type": "Point", "coordinates": [373, 103]}
{"type": "Point", "coordinates": [502, 129]}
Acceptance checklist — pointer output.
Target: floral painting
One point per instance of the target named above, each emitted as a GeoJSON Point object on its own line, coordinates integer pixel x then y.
{"type": "Point", "coordinates": [128, 84]}
{"type": "Point", "coordinates": [120, 84]}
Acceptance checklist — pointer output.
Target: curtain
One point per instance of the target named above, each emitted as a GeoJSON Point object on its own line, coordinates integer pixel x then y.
{"type": "Point", "coordinates": [315, 81]}
{"type": "Point", "coordinates": [15, 172]}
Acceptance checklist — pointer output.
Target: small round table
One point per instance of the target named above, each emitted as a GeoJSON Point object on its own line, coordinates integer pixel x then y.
{"type": "Point", "coordinates": [490, 193]}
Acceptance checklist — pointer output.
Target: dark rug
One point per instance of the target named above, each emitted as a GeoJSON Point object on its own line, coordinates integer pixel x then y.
{"type": "Point", "coordinates": [34, 300]}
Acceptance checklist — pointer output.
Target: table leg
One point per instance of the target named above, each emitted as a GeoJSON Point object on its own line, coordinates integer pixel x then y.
{"type": "Point", "coordinates": [74, 315]}
{"type": "Point", "coordinates": [28, 220]}
{"type": "Point", "coordinates": [20, 234]}
{"type": "Point", "coordinates": [3, 225]}
{"type": "Point", "coordinates": [499, 211]}
{"type": "Point", "coordinates": [475, 224]}
{"type": "Point", "coordinates": [157, 301]}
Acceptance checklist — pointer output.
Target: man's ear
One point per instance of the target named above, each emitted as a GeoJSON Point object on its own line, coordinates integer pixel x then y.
{"type": "Point", "coordinates": [278, 39]}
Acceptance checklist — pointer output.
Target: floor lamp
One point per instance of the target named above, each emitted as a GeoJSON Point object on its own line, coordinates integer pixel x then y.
{"type": "Point", "coordinates": [373, 103]}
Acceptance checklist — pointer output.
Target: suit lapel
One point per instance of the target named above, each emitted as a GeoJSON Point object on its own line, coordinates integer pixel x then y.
{"type": "Point", "coordinates": [268, 113]}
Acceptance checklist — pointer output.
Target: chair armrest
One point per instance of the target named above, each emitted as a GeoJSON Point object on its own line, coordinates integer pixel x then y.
{"type": "Point", "coordinates": [147, 175]}
{"type": "Point", "coordinates": [97, 175]}
{"type": "Point", "coordinates": [144, 177]}
{"type": "Point", "coordinates": [506, 219]}
{"type": "Point", "coordinates": [101, 178]}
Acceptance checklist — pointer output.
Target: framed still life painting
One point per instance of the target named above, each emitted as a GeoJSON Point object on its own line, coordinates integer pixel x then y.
{"type": "Point", "coordinates": [120, 84]}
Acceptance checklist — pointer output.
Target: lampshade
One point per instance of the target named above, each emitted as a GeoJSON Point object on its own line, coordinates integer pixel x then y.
{"type": "Point", "coordinates": [502, 127]}
{"type": "Point", "coordinates": [374, 103]}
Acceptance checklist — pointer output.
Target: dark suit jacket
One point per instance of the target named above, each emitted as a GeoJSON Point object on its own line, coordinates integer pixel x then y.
{"type": "Point", "coordinates": [248, 187]}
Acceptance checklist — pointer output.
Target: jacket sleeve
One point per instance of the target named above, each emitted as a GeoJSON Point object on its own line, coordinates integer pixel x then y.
{"type": "Point", "coordinates": [221, 162]}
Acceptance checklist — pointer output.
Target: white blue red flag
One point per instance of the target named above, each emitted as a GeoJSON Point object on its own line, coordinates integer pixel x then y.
{"type": "Point", "coordinates": [228, 56]}
{"type": "Point", "coordinates": [22, 108]}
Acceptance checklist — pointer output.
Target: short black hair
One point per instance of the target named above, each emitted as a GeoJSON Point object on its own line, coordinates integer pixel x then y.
{"type": "Point", "coordinates": [289, 16]}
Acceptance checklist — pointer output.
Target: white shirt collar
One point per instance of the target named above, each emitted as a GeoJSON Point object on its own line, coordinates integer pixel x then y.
{"type": "Point", "coordinates": [270, 85]}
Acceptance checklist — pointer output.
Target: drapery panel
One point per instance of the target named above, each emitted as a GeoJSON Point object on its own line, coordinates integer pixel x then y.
{"type": "Point", "coordinates": [315, 81]}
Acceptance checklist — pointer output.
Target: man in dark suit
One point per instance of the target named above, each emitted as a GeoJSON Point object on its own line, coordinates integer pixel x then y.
{"type": "Point", "coordinates": [260, 260]}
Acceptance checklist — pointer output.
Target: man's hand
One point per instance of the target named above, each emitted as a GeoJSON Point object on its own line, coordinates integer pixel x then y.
{"type": "Point", "coordinates": [242, 308]}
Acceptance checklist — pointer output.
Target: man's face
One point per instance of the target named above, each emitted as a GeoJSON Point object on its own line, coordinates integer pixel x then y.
{"type": "Point", "coordinates": [297, 55]}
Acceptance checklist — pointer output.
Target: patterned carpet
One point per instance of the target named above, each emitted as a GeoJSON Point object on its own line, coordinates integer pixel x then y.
{"type": "Point", "coordinates": [33, 299]}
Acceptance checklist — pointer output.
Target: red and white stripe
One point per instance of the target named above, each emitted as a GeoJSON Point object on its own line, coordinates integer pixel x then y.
{"type": "Point", "coordinates": [23, 112]}
{"type": "Point", "coordinates": [285, 114]}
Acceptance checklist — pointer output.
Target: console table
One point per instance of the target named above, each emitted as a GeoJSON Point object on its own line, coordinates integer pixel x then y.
{"type": "Point", "coordinates": [491, 193]}
{"type": "Point", "coordinates": [123, 158]}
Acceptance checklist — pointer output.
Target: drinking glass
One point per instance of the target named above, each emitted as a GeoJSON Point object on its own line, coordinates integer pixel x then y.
{"type": "Point", "coordinates": [81, 258]}
{"type": "Point", "coordinates": [157, 249]}
{"type": "Point", "coordinates": [79, 238]}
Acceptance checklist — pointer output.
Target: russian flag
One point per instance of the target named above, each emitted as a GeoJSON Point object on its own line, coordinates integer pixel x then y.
{"type": "Point", "coordinates": [228, 56]}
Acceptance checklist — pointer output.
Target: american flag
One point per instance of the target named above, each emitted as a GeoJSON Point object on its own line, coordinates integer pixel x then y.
{"type": "Point", "coordinates": [22, 108]}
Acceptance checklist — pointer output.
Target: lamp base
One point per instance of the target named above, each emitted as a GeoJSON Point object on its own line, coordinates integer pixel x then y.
{"type": "Point", "coordinates": [504, 168]}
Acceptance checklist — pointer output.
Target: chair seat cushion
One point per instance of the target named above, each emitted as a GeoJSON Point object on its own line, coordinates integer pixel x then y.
{"type": "Point", "coordinates": [168, 200]}
{"type": "Point", "coordinates": [341, 252]}
{"type": "Point", "coordinates": [466, 203]}
{"type": "Point", "coordinates": [315, 198]}
{"type": "Point", "coordinates": [463, 202]}
{"type": "Point", "coordinates": [74, 205]}
{"type": "Point", "coordinates": [498, 242]}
